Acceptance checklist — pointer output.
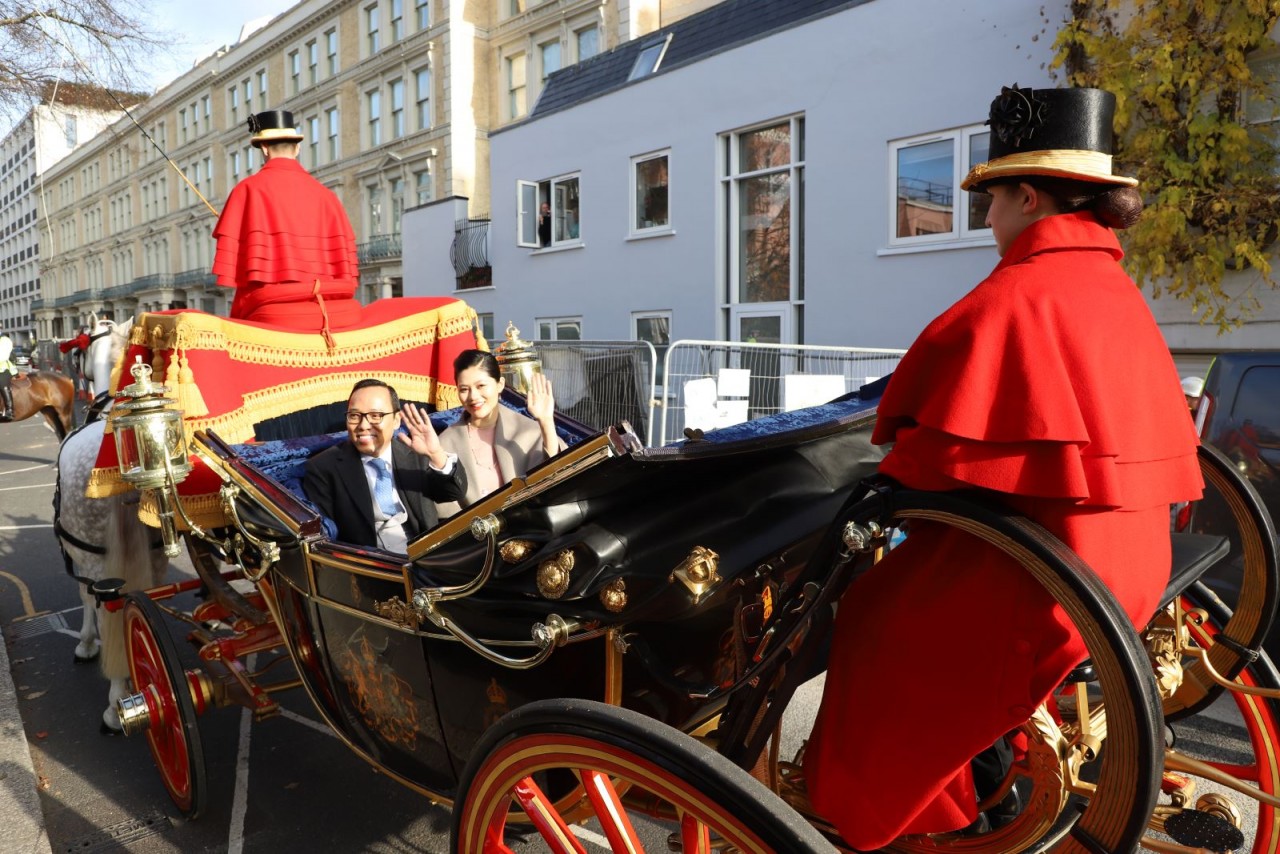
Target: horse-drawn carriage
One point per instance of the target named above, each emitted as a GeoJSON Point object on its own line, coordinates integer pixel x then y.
{"type": "Point", "coordinates": [618, 634]}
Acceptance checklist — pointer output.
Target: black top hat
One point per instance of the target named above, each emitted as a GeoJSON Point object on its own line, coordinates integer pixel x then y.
{"type": "Point", "coordinates": [273, 126]}
{"type": "Point", "coordinates": [1062, 133]}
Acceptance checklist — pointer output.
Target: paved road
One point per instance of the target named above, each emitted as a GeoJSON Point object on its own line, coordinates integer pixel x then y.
{"type": "Point", "coordinates": [282, 785]}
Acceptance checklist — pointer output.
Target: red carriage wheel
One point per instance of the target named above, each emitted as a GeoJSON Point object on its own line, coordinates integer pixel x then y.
{"type": "Point", "coordinates": [172, 733]}
{"type": "Point", "coordinates": [1259, 716]}
{"type": "Point", "coordinates": [689, 795]}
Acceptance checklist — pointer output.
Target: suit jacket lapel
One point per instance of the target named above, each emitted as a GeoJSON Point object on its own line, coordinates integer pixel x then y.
{"type": "Point", "coordinates": [414, 500]}
{"type": "Point", "coordinates": [507, 426]}
{"type": "Point", "coordinates": [351, 471]}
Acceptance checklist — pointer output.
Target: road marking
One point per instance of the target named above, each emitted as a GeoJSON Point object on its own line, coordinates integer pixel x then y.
{"type": "Point", "coordinates": [240, 802]}
{"type": "Point", "coordinates": [28, 468]}
{"type": "Point", "coordinates": [590, 836]}
{"type": "Point", "coordinates": [305, 721]}
{"type": "Point", "coordinates": [32, 486]}
{"type": "Point", "coordinates": [23, 527]}
{"type": "Point", "coordinates": [28, 607]}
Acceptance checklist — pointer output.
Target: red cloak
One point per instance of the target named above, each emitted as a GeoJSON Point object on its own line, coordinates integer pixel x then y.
{"type": "Point", "coordinates": [284, 238]}
{"type": "Point", "coordinates": [1050, 385]}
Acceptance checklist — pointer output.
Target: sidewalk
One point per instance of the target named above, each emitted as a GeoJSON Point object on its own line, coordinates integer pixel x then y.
{"type": "Point", "coordinates": [20, 813]}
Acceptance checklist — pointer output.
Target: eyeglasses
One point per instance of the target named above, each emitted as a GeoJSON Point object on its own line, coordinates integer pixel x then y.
{"type": "Point", "coordinates": [375, 418]}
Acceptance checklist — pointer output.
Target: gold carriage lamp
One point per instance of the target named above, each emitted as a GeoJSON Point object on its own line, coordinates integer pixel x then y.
{"type": "Point", "coordinates": [519, 360]}
{"type": "Point", "coordinates": [150, 445]}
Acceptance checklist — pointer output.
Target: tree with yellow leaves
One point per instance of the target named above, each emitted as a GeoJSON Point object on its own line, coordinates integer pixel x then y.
{"type": "Point", "coordinates": [1197, 123]}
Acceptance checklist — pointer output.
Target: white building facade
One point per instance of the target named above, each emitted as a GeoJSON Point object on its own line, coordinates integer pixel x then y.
{"type": "Point", "coordinates": [799, 184]}
{"type": "Point", "coordinates": [67, 116]}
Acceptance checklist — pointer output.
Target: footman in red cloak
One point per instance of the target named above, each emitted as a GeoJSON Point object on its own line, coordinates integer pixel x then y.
{"type": "Point", "coordinates": [1050, 387]}
{"type": "Point", "coordinates": [284, 240]}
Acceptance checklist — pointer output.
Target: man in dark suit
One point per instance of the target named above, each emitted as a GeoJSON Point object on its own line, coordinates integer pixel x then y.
{"type": "Point", "coordinates": [380, 492]}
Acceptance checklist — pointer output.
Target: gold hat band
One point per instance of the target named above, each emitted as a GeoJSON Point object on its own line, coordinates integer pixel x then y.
{"type": "Point", "coordinates": [275, 135]}
{"type": "Point", "coordinates": [1082, 165]}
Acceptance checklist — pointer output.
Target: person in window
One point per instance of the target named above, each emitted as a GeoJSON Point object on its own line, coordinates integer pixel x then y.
{"type": "Point", "coordinates": [495, 443]}
{"type": "Point", "coordinates": [544, 224]}
{"type": "Point", "coordinates": [380, 492]}
{"type": "Point", "coordinates": [1050, 388]}
{"type": "Point", "coordinates": [284, 240]}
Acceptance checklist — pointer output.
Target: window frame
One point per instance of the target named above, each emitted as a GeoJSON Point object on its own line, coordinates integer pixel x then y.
{"type": "Point", "coordinates": [961, 234]}
{"type": "Point", "coordinates": [634, 229]}
{"type": "Point", "coordinates": [373, 114]}
{"type": "Point", "coordinates": [554, 324]}
{"type": "Point", "coordinates": [423, 115]}
{"type": "Point", "coordinates": [331, 50]}
{"type": "Point", "coordinates": [396, 105]}
{"type": "Point", "coordinates": [513, 61]}
{"type": "Point", "coordinates": [660, 350]}
{"type": "Point", "coordinates": [649, 59]}
{"type": "Point", "coordinates": [373, 27]}
{"type": "Point", "coordinates": [527, 220]}
{"type": "Point", "coordinates": [733, 176]}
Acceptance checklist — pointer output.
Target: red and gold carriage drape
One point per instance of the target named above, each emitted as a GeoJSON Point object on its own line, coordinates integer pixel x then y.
{"type": "Point", "coordinates": [228, 375]}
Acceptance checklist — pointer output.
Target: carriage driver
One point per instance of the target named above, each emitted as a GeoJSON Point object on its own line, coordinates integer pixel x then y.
{"type": "Point", "coordinates": [284, 241]}
{"type": "Point", "coordinates": [1050, 388]}
{"type": "Point", "coordinates": [7, 370]}
{"type": "Point", "coordinates": [380, 491]}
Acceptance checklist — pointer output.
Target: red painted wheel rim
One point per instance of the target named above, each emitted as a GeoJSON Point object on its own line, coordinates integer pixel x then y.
{"type": "Point", "coordinates": [507, 776]}
{"type": "Point", "coordinates": [166, 734]}
{"type": "Point", "coordinates": [1263, 727]}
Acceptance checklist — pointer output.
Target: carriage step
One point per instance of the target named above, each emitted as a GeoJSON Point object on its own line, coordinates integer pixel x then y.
{"type": "Point", "coordinates": [1198, 829]}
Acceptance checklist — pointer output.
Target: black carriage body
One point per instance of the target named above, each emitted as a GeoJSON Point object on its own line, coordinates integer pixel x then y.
{"type": "Point", "coordinates": [414, 700]}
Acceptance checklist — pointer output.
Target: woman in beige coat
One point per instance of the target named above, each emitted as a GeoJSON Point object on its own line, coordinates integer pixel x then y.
{"type": "Point", "coordinates": [496, 444]}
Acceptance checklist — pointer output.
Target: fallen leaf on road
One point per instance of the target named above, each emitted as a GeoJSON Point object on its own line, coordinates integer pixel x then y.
{"type": "Point", "coordinates": [42, 734]}
{"type": "Point", "coordinates": [43, 784]}
{"type": "Point", "coordinates": [35, 695]}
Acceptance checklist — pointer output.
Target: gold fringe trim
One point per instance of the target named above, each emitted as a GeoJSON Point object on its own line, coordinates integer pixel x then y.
{"type": "Point", "coordinates": [169, 336]}
{"type": "Point", "coordinates": [280, 348]}
{"type": "Point", "coordinates": [205, 510]}
{"type": "Point", "coordinates": [106, 482]}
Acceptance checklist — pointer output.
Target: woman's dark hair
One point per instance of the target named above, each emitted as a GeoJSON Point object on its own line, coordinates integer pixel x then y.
{"type": "Point", "coordinates": [1115, 207]}
{"type": "Point", "coordinates": [468, 359]}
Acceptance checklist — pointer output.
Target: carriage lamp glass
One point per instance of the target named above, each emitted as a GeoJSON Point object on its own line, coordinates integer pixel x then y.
{"type": "Point", "coordinates": [518, 360]}
{"type": "Point", "coordinates": [151, 448]}
{"type": "Point", "coordinates": [150, 444]}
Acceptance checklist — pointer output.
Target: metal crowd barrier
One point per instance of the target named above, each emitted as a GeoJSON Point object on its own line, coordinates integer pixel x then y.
{"type": "Point", "coordinates": [712, 384]}
{"type": "Point", "coordinates": [602, 382]}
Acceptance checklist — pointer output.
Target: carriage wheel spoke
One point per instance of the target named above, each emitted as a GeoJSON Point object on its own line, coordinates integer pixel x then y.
{"type": "Point", "coordinates": [544, 817]}
{"type": "Point", "coordinates": [609, 810]}
{"type": "Point", "coordinates": [695, 837]}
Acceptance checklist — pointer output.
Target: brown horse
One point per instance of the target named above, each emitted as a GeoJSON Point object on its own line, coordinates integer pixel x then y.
{"type": "Point", "coordinates": [49, 394]}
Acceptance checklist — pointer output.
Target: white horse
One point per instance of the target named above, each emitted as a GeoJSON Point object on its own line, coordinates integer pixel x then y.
{"type": "Point", "coordinates": [106, 342]}
{"type": "Point", "coordinates": [103, 538]}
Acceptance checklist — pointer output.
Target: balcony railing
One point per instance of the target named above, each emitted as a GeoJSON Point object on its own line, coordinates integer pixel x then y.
{"type": "Point", "coordinates": [470, 253]}
{"type": "Point", "coordinates": [379, 247]}
{"type": "Point", "coordinates": [187, 278]}
{"type": "Point", "coordinates": [37, 304]}
{"type": "Point", "coordinates": [151, 282]}
{"type": "Point", "coordinates": [116, 291]}
{"type": "Point", "coordinates": [78, 297]}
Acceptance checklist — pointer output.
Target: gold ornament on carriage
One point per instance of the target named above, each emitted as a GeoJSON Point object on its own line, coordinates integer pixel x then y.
{"type": "Point", "coordinates": [514, 551]}
{"type": "Point", "coordinates": [613, 596]}
{"type": "Point", "coordinates": [518, 359]}
{"type": "Point", "coordinates": [553, 574]}
{"type": "Point", "coordinates": [698, 572]}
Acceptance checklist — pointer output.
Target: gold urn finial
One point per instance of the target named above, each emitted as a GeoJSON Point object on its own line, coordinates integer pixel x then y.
{"type": "Point", "coordinates": [518, 359]}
